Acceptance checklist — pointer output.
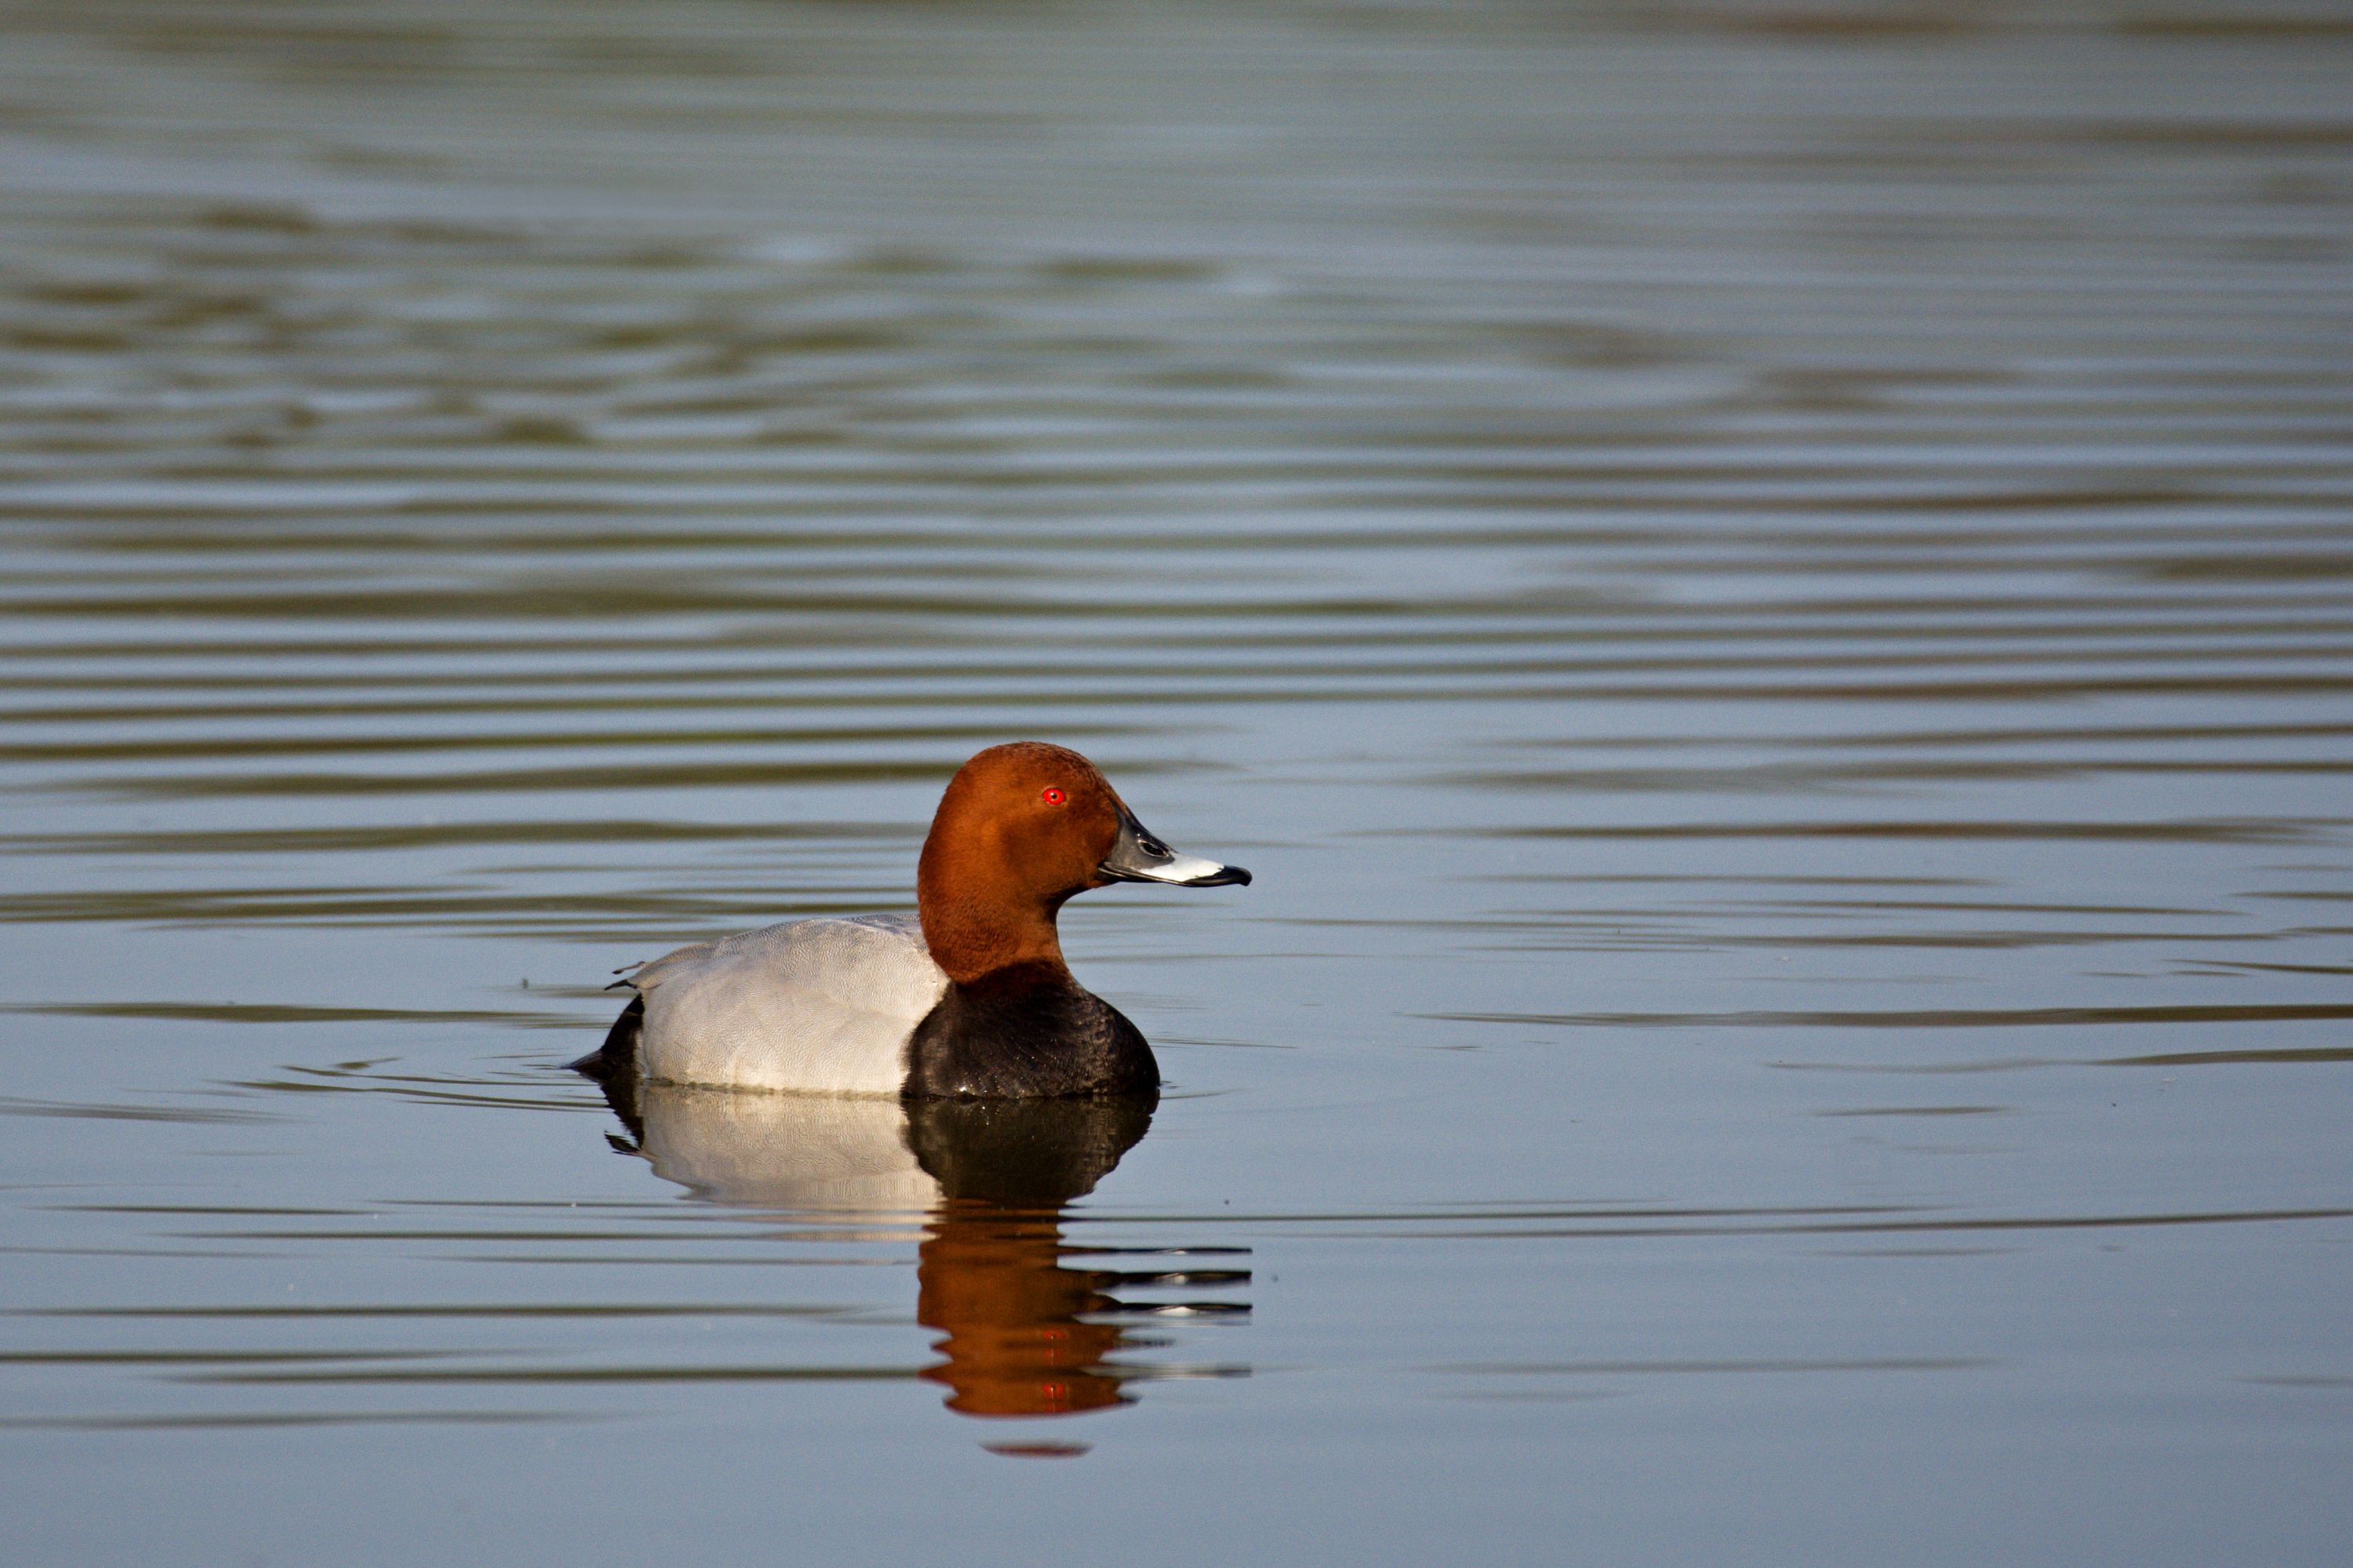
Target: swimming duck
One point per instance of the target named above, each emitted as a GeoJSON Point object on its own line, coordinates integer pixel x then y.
{"type": "Point", "coordinates": [969, 998]}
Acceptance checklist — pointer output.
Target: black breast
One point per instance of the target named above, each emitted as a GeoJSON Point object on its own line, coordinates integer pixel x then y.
{"type": "Point", "coordinates": [1028, 1031]}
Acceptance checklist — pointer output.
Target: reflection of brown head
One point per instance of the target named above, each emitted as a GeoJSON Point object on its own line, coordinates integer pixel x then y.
{"type": "Point", "coordinates": [991, 1280]}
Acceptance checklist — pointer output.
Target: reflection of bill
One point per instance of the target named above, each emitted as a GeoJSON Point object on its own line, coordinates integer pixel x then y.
{"type": "Point", "coordinates": [1021, 1334]}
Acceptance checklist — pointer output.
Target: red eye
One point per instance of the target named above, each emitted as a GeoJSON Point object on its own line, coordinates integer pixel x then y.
{"type": "Point", "coordinates": [1053, 797]}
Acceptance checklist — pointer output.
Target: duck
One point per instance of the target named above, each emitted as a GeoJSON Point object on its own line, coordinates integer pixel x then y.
{"type": "Point", "coordinates": [970, 997]}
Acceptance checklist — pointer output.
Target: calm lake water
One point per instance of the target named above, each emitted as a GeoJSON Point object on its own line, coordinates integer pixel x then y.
{"type": "Point", "coordinates": [1767, 587]}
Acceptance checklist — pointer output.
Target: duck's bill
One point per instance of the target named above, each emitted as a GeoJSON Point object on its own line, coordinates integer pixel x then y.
{"type": "Point", "coordinates": [1137, 857]}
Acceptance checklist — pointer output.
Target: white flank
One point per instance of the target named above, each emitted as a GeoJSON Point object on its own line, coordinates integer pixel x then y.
{"type": "Point", "coordinates": [815, 1007]}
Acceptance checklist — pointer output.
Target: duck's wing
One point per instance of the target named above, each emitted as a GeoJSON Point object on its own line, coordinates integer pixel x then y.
{"type": "Point", "coordinates": [809, 1006]}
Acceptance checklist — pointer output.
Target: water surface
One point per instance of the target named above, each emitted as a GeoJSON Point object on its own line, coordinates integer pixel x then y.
{"type": "Point", "coordinates": [1766, 589]}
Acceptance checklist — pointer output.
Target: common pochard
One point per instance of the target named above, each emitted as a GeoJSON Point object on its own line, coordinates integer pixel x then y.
{"type": "Point", "coordinates": [968, 998]}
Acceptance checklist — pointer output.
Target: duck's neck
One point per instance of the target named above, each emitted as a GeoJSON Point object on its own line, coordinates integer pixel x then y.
{"type": "Point", "coordinates": [972, 936]}
{"type": "Point", "coordinates": [1014, 1023]}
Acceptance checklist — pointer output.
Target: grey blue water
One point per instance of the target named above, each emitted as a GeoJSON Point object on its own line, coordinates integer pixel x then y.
{"type": "Point", "coordinates": [1767, 587]}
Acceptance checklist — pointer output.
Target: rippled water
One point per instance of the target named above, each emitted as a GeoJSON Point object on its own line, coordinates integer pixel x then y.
{"type": "Point", "coordinates": [1768, 589]}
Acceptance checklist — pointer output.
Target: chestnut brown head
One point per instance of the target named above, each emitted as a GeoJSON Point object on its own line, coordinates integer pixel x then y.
{"type": "Point", "coordinates": [1022, 828]}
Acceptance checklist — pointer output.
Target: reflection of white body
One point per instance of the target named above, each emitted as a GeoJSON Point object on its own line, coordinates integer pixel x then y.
{"type": "Point", "coordinates": [823, 1006]}
{"type": "Point", "coordinates": [785, 1151]}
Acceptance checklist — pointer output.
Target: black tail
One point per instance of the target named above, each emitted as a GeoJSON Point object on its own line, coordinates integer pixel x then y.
{"type": "Point", "coordinates": [618, 1054]}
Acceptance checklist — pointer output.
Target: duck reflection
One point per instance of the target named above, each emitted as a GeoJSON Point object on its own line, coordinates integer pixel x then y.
{"type": "Point", "coordinates": [1023, 1334]}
